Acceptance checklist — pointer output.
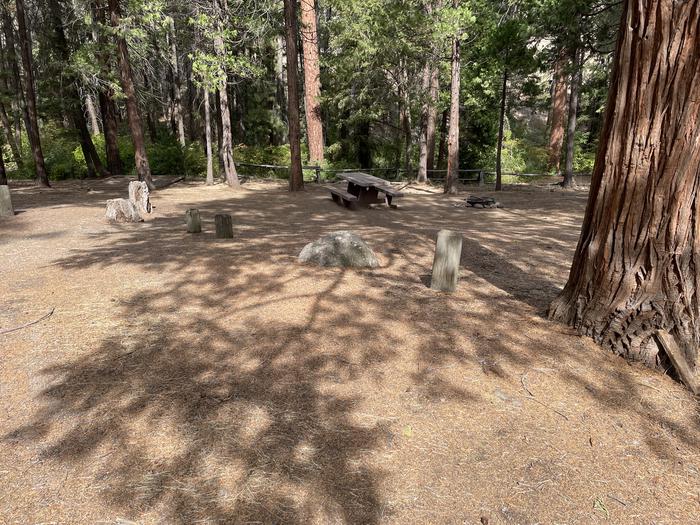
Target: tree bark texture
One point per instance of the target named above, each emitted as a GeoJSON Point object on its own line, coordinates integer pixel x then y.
{"type": "Point", "coordinates": [143, 169]}
{"type": "Point", "coordinates": [636, 270]}
{"type": "Point", "coordinates": [207, 135]}
{"type": "Point", "coordinates": [558, 115]}
{"type": "Point", "coordinates": [453, 136]}
{"type": "Point", "coordinates": [42, 178]}
{"type": "Point", "coordinates": [296, 176]}
{"type": "Point", "coordinates": [177, 85]}
{"type": "Point", "coordinates": [569, 179]}
{"type": "Point", "coordinates": [226, 151]}
{"type": "Point", "coordinates": [312, 81]}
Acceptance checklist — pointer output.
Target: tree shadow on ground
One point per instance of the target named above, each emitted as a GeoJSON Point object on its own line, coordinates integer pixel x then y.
{"type": "Point", "coordinates": [233, 387]}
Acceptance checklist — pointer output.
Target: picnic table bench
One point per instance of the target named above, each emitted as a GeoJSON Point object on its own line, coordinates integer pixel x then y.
{"type": "Point", "coordinates": [364, 189]}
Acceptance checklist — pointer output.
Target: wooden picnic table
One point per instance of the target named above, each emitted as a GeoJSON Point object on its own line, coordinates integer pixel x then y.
{"type": "Point", "coordinates": [367, 188]}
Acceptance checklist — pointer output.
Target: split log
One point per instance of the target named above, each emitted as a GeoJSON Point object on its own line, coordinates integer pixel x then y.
{"type": "Point", "coordinates": [448, 253]}
{"type": "Point", "coordinates": [224, 226]}
{"type": "Point", "coordinates": [194, 223]}
{"type": "Point", "coordinates": [6, 209]}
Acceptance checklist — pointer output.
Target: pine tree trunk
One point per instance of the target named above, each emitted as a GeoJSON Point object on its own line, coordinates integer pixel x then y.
{"type": "Point", "coordinates": [296, 176]}
{"type": "Point", "coordinates": [177, 86]}
{"type": "Point", "coordinates": [312, 81]}
{"type": "Point", "coordinates": [636, 270]}
{"type": "Point", "coordinates": [558, 115]}
{"type": "Point", "coordinates": [432, 117]}
{"type": "Point", "coordinates": [42, 178]}
{"type": "Point", "coordinates": [9, 136]}
{"type": "Point", "coordinates": [143, 169]}
{"type": "Point", "coordinates": [20, 112]}
{"type": "Point", "coordinates": [422, 174]}
{"type": "Point", "coordinates": [442, 149]}
{"type": "Point", "coordinates": [72, 98]}
{"type": "Point", "coordinates": [501, 126]}
{"type": "Point", "coordinates": [105, 96]}
{"type": "Point", "coordinates": [207, 135]}
{"type": "Point", "coordinates": [569, 179]}
{"type": "Point", "coordinates": [226, 151]}
{"type": "Point", "coordinates": [453, 137]}
{"type": "Point", "coordinates": [92, 114]}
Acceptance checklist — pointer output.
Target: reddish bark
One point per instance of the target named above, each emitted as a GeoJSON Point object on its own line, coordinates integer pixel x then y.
{"type": "Point", "coordinates": [636, 270]}
{"type": "Point", "coordinates": [296, 177]}
{"type": "Point", "coordinates": [558, 115]}
{"type": "Point", "coordinates": [312, 81]}
{"type": "Point", "coordinates": [453, 135]}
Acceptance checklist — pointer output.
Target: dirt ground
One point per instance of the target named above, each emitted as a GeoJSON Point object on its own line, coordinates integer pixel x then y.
{"type": "Point", "coordinates": [184, 379]}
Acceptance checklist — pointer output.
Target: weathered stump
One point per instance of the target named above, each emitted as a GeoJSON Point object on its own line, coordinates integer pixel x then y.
{"type": "Point", "coordinates": [140, 196]}
{"type": "Point", "coordinates": [224, 226]}
{"type": "Point", "coordinates": [194, 223]}
{"type": "Point", "coordinates": [122, 210]}
{"type": "Point", "coordinates": [448, 252]}
{"type": "Point", "coordinates": [6, 209]}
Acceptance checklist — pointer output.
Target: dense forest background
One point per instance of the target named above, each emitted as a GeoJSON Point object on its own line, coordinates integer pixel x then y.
{"type": "Point", "coordinates": [375, 82]}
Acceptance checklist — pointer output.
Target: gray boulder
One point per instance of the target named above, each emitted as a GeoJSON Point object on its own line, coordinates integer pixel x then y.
{"type": "Point", "coordinates": [342, 248]}
{"type": "Point", "coordinates": [122, 210]}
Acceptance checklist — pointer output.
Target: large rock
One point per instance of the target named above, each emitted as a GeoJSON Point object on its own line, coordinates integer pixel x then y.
{"type": "Point", "coordinates": [140, 196]}
{"type": "Point", "coordinates": [342, 248]}
{"type": "Point", "coordinates": [122, 210]}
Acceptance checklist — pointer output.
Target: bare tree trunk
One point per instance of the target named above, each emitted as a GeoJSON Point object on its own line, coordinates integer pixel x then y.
{"type": "Point", "coordinates": [442, 149]}
{"type": "Point", "coordinates": [42, 178]}
{"type": "Point", "coordinates": [569, 180]}
{"type": "Point", "coordinates": [207, 135]}
{"type": "Point", "coordinates": [312, 81]}
{"type": "Point", "coordinates": [92, 113]}
{"type": "Point", "coordinates": [422, 175]}
{"type": "Point", "coordinates": [226, 150]}
{"type": "Point", "coordinates": [558, 115]}
{"type": "Point", "coordinates": [9, 136]}
{"type": "Point", "coordinates": [453, 138]}
{"type": "Point", "coordinates": [15, 81]}
{"type": "Point", "coordinates": [72, 98]}
{"type": "Point", "coordinates": [501, 125]}
{"type": "Point", "coordinates": [177, 86]}
{"type": "Point", "coordinates": [105, 95]}
{"type": "Point", "coordinates": [143, 169]}
{"type": "Point", "coordinates": [635, 276]}
{"type": "Point", "coordinates": [432, 117]}
{"type": "Point", "coordinates": [296, 176]}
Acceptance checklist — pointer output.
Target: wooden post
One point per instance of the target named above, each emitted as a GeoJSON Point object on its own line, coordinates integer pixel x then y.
{"type": "Point", "coordinates": [194, 223]}
{"type": "Point", "coordinates": [448, 252]}
{"type": "Point", "coordinates": [6, 209]}
{"type": "Point", "coordinates": [224, 226]}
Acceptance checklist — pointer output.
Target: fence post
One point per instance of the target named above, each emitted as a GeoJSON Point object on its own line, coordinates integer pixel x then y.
{"type": "Point", "coordinates": [318, 174]}
{"type": "Point", "coordinates": [481, 177]}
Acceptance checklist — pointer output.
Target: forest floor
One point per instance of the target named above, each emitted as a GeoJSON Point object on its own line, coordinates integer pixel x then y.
{"type": "Point", "coordinates": [184, 379]}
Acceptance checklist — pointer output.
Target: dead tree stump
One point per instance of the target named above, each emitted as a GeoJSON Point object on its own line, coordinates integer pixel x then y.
{"type": "Point", "coordinates": [224, 226]}
{"type": "Point", "coordinates": [6, 209]}
{"type": "Point", "coordinates": [448, 252]}
{"type": "Point", "coordinates": [194, 223]}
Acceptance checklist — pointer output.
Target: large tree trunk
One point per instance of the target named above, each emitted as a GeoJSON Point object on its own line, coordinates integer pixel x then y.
{"type": "Point", "coordinates": [453, 137]}
{"type": "Point", "coordinates": [296, 176]}
{"type": "Point", "coordinates": [42, 178]}
{"type": "Point", "coordinates": [312, 81]}
{"type": "Point", "coordinates": [226, 151]}
{"type": "Point", "coordinates": [501, 126]}
{"type": "Point", "coordinates": [569, 179]}
{"type": "Point", "coordinates": [558, 114]}
{"type": "Point", "coordinates": [92, 114]}
{"type": "Point", "coordinates": [432, 117]}
{"type": "Point", "coordinates": [636, 270]}
{"type": "Point", "coordinates": [14, 82]}
{"type": "Point", "coordinates": [143, 169]}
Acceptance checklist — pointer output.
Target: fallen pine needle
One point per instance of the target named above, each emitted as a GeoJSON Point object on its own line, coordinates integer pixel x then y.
{"type": "Point", "coordinates": [9, 330]}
